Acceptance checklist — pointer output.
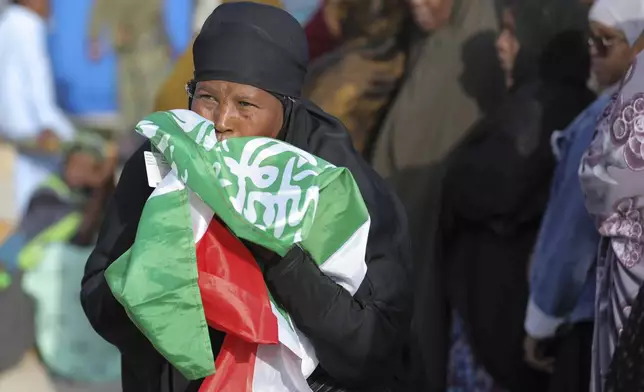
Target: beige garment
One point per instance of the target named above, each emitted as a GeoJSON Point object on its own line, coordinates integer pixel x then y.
{"type": "Point", "coordinates": [203, 9]}
{"type": "Point", "coordinates": [141, 75]}
{"type": "Point", "coordinates": [453, 75]}
{"type": "Point", "coordinates": [7, 203]}
{"type": "Point", "coordinates": [131, 24]}
{"type": "Point", "coordinates": [138, 34]}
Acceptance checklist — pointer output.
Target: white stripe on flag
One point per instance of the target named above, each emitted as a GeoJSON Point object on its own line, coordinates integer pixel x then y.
{"type": "Point", "coordinates": [200, 215]}
{"type": "Point", "coordinates": [277, 369]}
{"type": "Point", "coordinates": [347, 266]}
{"type": "Point", "coordinates": [170, 183]}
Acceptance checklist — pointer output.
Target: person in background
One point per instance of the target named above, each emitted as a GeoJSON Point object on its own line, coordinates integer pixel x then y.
{"type": "Point", "coordinates": [560, 312]}
{"type": "Point", "coordinates": [66, 208]}
{"type": "Point", "coordinates": [624, 374]}
{"type": "Point", "coordinates": [496, 188]}
{"type": "Point", "coordinates": [357, 81]}
{"type": "Point", "coordinates": [611, 176]}
{"type": "Point", "coordinates": [138, 35]}
{"type": "Point", "coordinates": [451, 67]}
{"type": "Point", "coordinates": [322, 30]}
{"type": "Point", "coordinates": [31, 119]}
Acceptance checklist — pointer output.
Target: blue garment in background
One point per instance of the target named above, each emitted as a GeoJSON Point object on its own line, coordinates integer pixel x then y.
{"type": "Point", "coordinates": [10, 250]}
{"type": "Point", "coordinates": [562, 281]}
{"type": "Point", "coordinates": [85, 87]}
{"type": "Point", "coordinates": [302, 10]}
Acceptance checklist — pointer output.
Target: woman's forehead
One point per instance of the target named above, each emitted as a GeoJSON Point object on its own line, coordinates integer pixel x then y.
{"type": "Point", "coordinates": [226, 87]}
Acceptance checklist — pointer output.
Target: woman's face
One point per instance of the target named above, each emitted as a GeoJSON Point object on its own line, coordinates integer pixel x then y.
{"type": "Point", "coordinates": [81, 169]}
{"type": "Point", "coordinates": [430, 15]}
{"type": "Point", "coordinates": [507, 45]}
{"type": "Point", "coordinates": [610, 53]}
{"type": "Point", "coordinates": [238, 110]}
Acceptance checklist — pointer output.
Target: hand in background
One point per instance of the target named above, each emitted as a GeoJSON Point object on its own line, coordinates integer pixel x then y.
{"type": "Point", "coordinates": [48, 141]}
{"type": "Point", "coordinates": [123, 37]}
{"type": "Point", "coordinates": [534, 355]}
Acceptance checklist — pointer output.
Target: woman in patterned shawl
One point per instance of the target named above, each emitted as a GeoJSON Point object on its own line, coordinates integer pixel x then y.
{"type": "Point", "coordinates": [612, 177]}
{"type": "Point", "coordinates": [356, 81]}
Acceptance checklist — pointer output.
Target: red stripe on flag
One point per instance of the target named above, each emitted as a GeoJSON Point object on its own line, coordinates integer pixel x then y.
{"type": "Point", "coordinates": [233, 292]}
{"type": "Point", "coordinates": [235, 367]}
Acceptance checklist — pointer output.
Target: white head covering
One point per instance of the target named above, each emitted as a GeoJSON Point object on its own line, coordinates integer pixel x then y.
{"type": "Point", "coordinates": [624, 15]}
{"type": "Point", "coordinates": [201, 12]}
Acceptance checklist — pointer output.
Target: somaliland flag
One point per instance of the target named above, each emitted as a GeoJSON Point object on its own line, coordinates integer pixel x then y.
{"type": "Point", "coordinates": [188, 269]}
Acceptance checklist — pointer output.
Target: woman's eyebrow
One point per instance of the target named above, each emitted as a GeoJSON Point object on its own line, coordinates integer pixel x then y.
{"type": "Point", "coordinates": [245, 97]}
{"type": "Point", "coordinates": [206, 89]}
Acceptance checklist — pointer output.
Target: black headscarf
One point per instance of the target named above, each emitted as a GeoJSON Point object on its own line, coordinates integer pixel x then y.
{"type": "Point", "coordinates": [254, 44]}
{"type": "Point", "coordinates": [552, 38]}
{"type": "Point", "coordinates": [265, 47]}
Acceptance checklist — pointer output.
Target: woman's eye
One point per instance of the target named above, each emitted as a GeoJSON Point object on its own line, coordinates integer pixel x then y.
{"type": "Point", "coordinates": [206, 97]}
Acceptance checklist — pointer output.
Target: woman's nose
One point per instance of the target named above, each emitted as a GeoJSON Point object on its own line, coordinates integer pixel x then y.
{"type": "Point", "coordinates": [225, 119]}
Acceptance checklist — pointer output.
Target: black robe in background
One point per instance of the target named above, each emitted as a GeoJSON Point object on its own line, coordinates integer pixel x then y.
{"type": "Point", "coordinates": [495, 193]}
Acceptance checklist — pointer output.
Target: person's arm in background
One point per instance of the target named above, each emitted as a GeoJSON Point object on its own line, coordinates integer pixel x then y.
{"type": "Point", "coordinates": [563, 256]}
{"type": "Point", "coordinates": [566, 247]}
{"type": "Point", "coordinates": [44, 210]}
{"type": "Point", "coordinates": [117, 234]}
{"type": "Point", "coordinates": [41, 85]}
{"type": "Point", "coordinates": [100, 21]}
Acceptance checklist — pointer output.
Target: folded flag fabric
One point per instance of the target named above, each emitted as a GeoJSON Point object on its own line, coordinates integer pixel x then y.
{"type": "Point", "coordinates": [188, 269]}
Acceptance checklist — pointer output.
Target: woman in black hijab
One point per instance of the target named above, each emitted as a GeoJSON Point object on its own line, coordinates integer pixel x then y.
{"type": "Point", "coordinates": [498, 182]}
{"type": "Point", "coordinates": [250, 62]}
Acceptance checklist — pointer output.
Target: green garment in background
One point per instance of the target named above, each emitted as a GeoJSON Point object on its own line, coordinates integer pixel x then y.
{"type": "Point", "coordinates": [67, 343]}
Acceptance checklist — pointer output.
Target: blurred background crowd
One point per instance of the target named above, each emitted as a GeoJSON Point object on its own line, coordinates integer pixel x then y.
{"type": "Point", "coordinates": [476, 111]}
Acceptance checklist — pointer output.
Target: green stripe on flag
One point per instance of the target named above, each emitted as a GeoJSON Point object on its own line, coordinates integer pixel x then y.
{"type": "Point", "coordinates": [340, 201]}
{"type": "Point", "coordinates": [156, 281]}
